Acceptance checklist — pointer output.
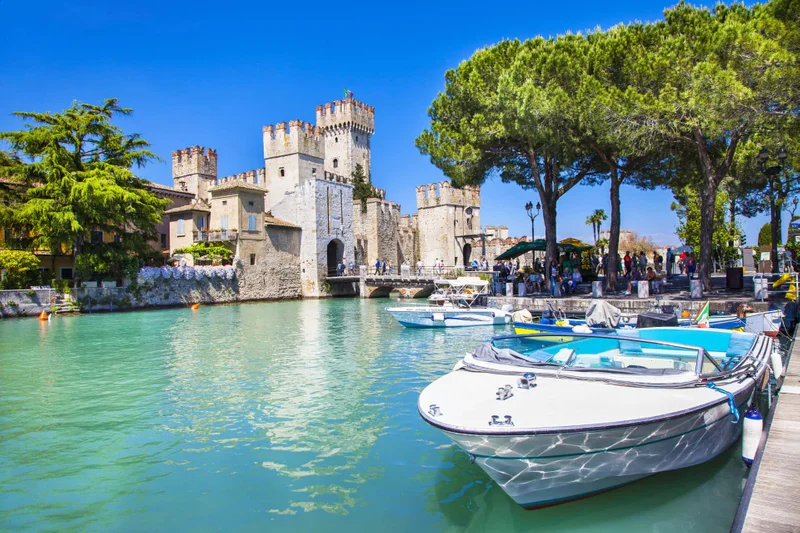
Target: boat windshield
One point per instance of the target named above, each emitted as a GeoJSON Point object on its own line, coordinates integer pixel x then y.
{"type": "Point", "coordinates": [612, 352]}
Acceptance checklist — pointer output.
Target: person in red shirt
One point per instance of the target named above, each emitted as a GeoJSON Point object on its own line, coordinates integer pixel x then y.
{"type": "Point", "coordinates": [682, 264]}
{"type": "Point", "coordinates": [627, 262]}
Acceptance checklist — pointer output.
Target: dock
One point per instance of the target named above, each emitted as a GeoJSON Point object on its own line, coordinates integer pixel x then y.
{"type": "Point", "coordinates": [772, 492]}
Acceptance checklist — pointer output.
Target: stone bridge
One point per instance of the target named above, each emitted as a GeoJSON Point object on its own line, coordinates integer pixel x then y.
{"type": "Point", "coordinates": [379, 286]}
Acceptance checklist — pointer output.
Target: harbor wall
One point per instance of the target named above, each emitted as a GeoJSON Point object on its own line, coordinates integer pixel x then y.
{"type": "Point", "coordinates": [27, 302]}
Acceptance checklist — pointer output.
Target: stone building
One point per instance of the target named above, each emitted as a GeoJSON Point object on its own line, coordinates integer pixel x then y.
{"type": "Point", "coordinates": [300, 204]}
{"type": "Point", "coordinates": [447, 219]}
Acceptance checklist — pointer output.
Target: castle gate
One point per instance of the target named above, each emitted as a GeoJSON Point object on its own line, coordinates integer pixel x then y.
{"type": "Point", "coordinates": [335, 255]}
{"type": "Point", "coordinates": [467, 252]}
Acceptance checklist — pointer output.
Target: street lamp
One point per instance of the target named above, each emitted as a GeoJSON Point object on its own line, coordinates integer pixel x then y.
{"type": "Point", "coordinates": [771, 173]}
{"type": "Point", "coordinates": [532, 216]}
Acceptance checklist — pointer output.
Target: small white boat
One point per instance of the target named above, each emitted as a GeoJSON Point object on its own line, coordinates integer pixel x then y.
{"type": "Point", "coordinates": [455, 303]}
{"type": "Point", "coordinates": [553, 422]}
{"type": "Point", "coordinates": [769, 323]}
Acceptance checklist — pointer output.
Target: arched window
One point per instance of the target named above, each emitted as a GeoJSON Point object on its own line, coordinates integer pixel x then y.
{"type": "Point", "coordinates": [335, 163]}
{"type": "Point", "coordinates": [181, 230]}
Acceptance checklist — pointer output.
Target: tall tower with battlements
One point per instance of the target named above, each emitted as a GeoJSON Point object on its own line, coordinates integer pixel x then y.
{"type": "Point", "coordinates": [293, 153]}
{"type": "Point", "coordinates": [194, 170]}
{"type": "Point", "coordinates": [348, 126]}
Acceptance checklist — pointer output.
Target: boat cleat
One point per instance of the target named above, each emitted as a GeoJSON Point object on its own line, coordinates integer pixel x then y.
{"type": "Point", "coordinates": [504, 393]}
{"type": "Point", "coordinates": [495, 421]}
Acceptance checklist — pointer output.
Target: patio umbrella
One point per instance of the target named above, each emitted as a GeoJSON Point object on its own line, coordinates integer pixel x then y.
{"type": "Point", "coordinates": [685, 248]}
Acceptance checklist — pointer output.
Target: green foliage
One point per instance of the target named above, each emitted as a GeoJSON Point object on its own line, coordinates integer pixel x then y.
{"type": "Point", "coordinates": [207, 249]}
{"type": "Point", "coordinates": [362, 188]}
{"type": "Point", "coordinates": [74, 173]}
{"type": "Point", "coordinates": [687, 207]}
{"type": "Point", "coordinates": [765, 235]}
{"type": "Point", "coordinates": [596, 220]}
{"type": "Point", "coordinates": [21, 269]}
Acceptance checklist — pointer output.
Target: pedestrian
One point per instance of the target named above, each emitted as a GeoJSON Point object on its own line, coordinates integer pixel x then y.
{"type": "Point", "coordinates": [691, 267]}
{"type": "Point", "coordinates": [389, 267]}
{"type": "Point", "coordinates": [682, 262]}
{"type": "Point", "coordinates": [383, 267]}
{"type": "Point", "coordinates": [419, 267]}
{"type": "Point", "coordinates": [643, 261]}
{"type": "Point", "coordinates": [669, 263]}
{"type": "Point", "coordinates": [628, 261]}
{"type": "Point", "coordinates": [377, 267]}
{"type": "Point", "coordinates": [554, 278]}
{"type": "Point", "coordinates": [352, 268]}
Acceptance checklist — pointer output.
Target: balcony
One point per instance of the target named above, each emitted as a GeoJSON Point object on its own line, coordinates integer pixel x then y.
{"type": "Point", "coordinates": [215, 235]}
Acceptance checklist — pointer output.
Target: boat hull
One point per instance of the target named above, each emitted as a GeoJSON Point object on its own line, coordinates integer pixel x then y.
{"type": "Point", "coordinates": [442, 317]}
{"type": "Point", "coordinates": [542, 470]}
{"type": "Point", "coordinates": [769, 323]}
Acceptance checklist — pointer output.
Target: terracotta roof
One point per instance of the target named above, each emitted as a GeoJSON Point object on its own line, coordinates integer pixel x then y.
{"type": "Point", "coordinates": [194, 206]}
{"type": "Point", "coordinates": [272, 221]}
{"type": "Point", "coordinates": [236, 184]}
{"type": "Point", "coordinates": [167, 189]}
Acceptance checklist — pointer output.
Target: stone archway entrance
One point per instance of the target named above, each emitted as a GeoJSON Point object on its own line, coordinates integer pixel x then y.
{"type": "Point", "coordinates": [467, 254]}
{"type": "Point", "coordinates": [335, 255]}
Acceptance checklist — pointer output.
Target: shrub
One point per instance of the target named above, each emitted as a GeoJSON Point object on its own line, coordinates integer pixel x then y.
{"type": "Point", "coordinates": [22, 269]}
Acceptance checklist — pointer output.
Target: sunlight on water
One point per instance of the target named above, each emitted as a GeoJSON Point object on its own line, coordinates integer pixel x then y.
{"type": "Point", "coordinates": [293, 415]}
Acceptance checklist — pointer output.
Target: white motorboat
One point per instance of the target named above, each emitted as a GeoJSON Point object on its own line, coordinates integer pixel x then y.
{"type": "Point", "coordinates": [553, 422]}
{"type": "Point", "coordinates": [455, 303]}
{"type": "Point", "coordinates": [769, 322]}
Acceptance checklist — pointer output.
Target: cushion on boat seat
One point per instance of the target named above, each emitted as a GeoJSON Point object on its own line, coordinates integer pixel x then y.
{"type": "Point", "coordinates": [562, 356]}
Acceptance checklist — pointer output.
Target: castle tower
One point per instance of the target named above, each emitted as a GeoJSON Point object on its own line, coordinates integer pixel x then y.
{"type": "Point", "coordinates": [292, 154]}
{"type": "Point", "coordinates": [348, 126]}
{"type": "Point", "coordinates": [446, 216]}
{"type": "Point", "coordinates": [194, 170]}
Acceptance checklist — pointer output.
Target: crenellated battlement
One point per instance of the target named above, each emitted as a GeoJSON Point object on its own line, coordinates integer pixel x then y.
{"type": "Point", "coordinates": [296, 137]}
{"type": "Point", "coordinates": [443, 193]}
{"type": "Point", "coordinates": [330, 176]}
{"type": "Point", "coordinates": [246, 177]}
{"type": "Point", "coordinates": [346, 114]}
{"type": "Point", "coordinates": [194, 160]}
{"type": "Point", "coordinates": [408, 223]}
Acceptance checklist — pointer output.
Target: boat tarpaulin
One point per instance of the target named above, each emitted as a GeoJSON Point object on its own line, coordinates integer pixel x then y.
{"type": "Point", "coordinates": [602, 313]}
{"type": "Point", "coordinates": [487, 353]}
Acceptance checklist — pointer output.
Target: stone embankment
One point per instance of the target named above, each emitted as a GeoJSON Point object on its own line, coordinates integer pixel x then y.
{"type": "Point", "coordinates": [259, 282]}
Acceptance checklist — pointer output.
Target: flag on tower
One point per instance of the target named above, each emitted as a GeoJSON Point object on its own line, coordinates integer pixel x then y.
{"type": "Point", "coordinates": [348, 94]}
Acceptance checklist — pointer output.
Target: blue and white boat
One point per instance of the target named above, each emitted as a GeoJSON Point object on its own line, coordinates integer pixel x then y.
{"type": "Point", "coordinates": [456, 303]}
{"type": "Point", "coordinates": [552, 422]}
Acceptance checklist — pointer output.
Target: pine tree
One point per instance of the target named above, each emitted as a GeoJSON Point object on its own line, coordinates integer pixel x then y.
{"type": "Point", "coordinates": [74, 170]}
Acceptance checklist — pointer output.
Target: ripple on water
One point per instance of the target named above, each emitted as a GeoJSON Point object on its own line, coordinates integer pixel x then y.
{"type": "Point", "coordinates": [297, 414]}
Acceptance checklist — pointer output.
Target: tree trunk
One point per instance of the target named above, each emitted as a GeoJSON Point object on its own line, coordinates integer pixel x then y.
{"type": "Point", "coordinates": [613, 237]}
{"type": "Point", "coordinates": [775, 222]}
{"type": "Point", "coordinates": [549, 216]}
{"type": "Point", "coordinates": [708, 200]}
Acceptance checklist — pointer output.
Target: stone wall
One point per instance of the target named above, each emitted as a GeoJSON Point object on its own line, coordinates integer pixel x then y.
{"type": "Point", "coordinates": [25, 302]}
{"type": "Point", "coordinates": [376, 231]}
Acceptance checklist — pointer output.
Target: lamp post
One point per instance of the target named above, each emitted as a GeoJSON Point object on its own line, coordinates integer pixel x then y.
{"type": "Point", "coordinates": [771, 173]}
{"type": "Point", "coordinates": [532, 216]}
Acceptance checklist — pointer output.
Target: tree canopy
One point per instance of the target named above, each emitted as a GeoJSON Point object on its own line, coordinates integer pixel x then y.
{"type": "Point", "coordinates": [681, 102]}
{"type": "Point", "coordinates": [74, 174]}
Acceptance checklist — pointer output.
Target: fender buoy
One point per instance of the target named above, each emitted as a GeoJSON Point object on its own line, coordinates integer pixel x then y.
{"type": "Point", "coordinates": [43, 316]}
{"type": "Point", "coordinates": [753, 426]}
{"type": "Point", "coordinates": [195, 307]}
{"type": "Point", "coordinates": [781, 280]}
{"type": "Point", "coordinates": [776, 363]}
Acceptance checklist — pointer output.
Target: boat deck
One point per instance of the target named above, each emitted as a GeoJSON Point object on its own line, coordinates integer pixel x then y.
{"type": "Point", "coordinates": [776, 490]}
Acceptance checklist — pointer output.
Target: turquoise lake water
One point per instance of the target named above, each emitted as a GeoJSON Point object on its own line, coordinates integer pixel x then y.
{"type": "Point", "coordinates": [286, 416]}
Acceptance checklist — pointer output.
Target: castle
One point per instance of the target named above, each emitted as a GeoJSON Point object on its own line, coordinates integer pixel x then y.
{"type": "Point", "coordinates": [298, 210]}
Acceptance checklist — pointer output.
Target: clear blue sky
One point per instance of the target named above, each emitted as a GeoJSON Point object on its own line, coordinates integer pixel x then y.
{"type": "Point", "coordinates": [213, 73]}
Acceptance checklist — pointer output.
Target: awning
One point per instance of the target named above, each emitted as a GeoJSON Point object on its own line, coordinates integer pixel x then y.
{"type": "Point", "coordinates": [539, 245]}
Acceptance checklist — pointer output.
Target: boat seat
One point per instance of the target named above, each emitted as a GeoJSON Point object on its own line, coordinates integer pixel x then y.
{"type": "Point", "coordinates": [562, 356]}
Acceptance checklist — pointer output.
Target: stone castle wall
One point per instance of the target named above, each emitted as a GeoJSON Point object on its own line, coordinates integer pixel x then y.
{"type": "Point", "coordinates": [376, 231]}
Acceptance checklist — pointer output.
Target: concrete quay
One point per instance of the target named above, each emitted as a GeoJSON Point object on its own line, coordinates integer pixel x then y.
{"type": "Point", "coordinates": [769, 501]}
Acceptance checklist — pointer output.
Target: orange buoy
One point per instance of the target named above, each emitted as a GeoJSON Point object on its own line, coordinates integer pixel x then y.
{"type": "Point", "coordinates": [43, 316]}
{"type": "Point", "coordinates": [195, 307]}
